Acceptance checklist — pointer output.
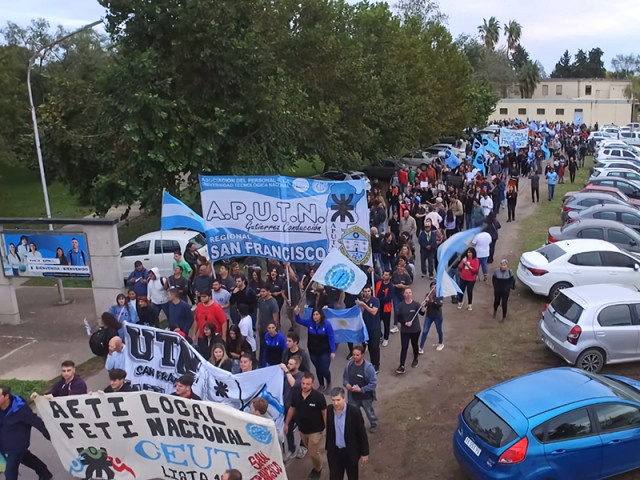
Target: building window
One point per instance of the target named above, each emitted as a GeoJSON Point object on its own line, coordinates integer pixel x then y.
{"type": "Point", "coordinates": [504, 111]}
{"type": "Point", "coordinates": [545, 90]}
{"type": "Point", "coordinates": [559, 111]}
{"type": "Point", "coordinates": [577, 110]}
{"type": "Point", "coordinates": [587, 90]}
{"type": "Point", "coordinates": [558, 89]}
{"type": "Point", "coordinates": [540, 111]}
{"type": "Point", "coordinates": [522, 111]}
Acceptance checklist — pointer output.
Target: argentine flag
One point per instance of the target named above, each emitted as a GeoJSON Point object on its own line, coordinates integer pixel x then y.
{"type": "Point", "coordinates": [176, 214]}
{"type": "Point", "coordinates": [545, 149]}
{"type": "Point", "coordinates": [348, 325]}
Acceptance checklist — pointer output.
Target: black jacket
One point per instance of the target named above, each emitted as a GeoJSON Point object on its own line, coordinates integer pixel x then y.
{"type": "Point", "coordinates": [355, 435]}
{"type": "Point", "coordinates": [15, 426]}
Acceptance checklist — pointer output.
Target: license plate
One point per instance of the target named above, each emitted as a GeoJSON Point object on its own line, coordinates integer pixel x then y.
{"type": "Point", "coordinates": [549, 344]}
{"type": "Point", "coordinates": [472, 446]}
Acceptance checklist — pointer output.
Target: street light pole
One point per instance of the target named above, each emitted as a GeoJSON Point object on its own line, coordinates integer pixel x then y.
{"type": "Point", "coordinates": [36, 133]}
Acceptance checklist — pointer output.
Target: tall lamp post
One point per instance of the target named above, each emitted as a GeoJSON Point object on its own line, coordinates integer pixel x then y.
{"type": "Point", "coordinates": [36, 133]}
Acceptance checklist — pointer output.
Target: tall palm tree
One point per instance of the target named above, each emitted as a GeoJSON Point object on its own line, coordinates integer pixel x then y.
{"type": "Point", "coordinates": [513, 31]}
{"type": "Point", "coordinates": [490, 32]}
{"type": "Point", "coordinates": [528, 79]}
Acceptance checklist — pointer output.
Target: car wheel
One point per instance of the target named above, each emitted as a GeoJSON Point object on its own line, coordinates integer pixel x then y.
{"type": "Point", "coordinates": [591, 360]}
{"type": "Point", "coordinates": [555, 290]}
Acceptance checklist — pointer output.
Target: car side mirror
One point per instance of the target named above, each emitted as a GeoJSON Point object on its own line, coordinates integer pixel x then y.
{"type": "Point", "coordinates": [636, 267]}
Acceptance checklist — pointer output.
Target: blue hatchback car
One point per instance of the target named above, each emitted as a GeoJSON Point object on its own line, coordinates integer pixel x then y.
{"type": "Point", "coordinates": [561, 423]}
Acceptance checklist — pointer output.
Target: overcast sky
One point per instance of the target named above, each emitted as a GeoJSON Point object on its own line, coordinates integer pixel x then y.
{"type": "Point", "coordinates": [549, 28]}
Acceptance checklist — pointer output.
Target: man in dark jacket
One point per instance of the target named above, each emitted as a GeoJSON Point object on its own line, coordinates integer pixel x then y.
{"type": "Point", "coordinates": [346, 443]}
{"type": "Point", "coordinates": [428, 241]}
{"type": "Point", "coordinates": [16, 420]}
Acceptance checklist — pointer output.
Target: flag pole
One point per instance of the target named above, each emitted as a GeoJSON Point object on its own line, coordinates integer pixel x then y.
{"type": "Point", "coordinates": [161, 230]}
{"type": "Point", "coordinates": [288, 266]}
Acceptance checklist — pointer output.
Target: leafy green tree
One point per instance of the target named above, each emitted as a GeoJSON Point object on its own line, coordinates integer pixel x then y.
{"type": "Point", "coordinates": [512, 32]}
{"type": "Point", "coordinates": [490, 32]}
{"type": "Point", "coordinates": [563, 68]}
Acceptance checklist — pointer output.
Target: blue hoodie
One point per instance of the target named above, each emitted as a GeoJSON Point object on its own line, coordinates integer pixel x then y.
{"type": "Point", "coordinates": [15, 426]}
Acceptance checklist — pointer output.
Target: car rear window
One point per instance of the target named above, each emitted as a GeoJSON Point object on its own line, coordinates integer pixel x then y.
{"type": "Point", "coordinates": [566, 307]}
{"type": "Point", "coordinates": [620, 389]}
{"type": "Point", "coordinates": [487, 425]}
{"type": "Point", "coordinates": [551, 252]}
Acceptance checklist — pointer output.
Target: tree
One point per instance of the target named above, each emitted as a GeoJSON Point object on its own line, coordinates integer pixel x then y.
{"type": "Point", "coordinates": [513, 32]}
{"type": "Point", "coordinates": [563, 68]}
{"type": "Point", "coordinates": [528, 79]}
{"type": "Point", "coordinates": [490, 32]}
{"type": "Point", "coordinates": [624, 66]}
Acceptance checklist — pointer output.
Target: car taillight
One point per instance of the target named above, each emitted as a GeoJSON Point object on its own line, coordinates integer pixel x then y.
{"type": "Point", "coordinates": [570, 220]}
{"type": "Point", "coordinates": [546, 305]}
{"type": "Point", "coordinates": [537, 272]}
{"type": "Point", "coordinates": [516, 453]}
{"type": "Point", "coordinates": [552, 239]}
{"type": "Point", "coordinates": [574, 335]}
{"type": "Point", "coordinates": [566, 209]}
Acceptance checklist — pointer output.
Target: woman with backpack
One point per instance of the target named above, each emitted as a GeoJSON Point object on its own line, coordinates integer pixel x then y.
{"type": "Point", "coordinates": [123, 311]}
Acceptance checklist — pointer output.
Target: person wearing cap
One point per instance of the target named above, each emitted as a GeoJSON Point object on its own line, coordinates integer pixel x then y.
{"type": "Point", "coordinates": [503, 282]}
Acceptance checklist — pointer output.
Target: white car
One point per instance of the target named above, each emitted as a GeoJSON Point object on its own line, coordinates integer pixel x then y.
{"type": "Point", "coordinates": [337, 176]}
{"type": "Point", "coordinates": [616, 172]}
{"type": "Point", "coordinates": [156, 249]}
{"type": "Point", "coordinates": [618, 152]}
{"type": "Point", "coordinates": [571, 263]}
{"type": "Point", "coordinates": [600, 136]}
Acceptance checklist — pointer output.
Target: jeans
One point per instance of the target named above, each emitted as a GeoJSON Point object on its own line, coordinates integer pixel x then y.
{"type": "Point", "coordinates": [405, 338]}
{"type": "Point", "coordinates": [367, 405]}
{"type": "Point", "coordinates": [164, 307]}
{"type": "Point", "coordinates": [386, 324]}
{"type": "Point", "coordinates": [483, 264]}
{"type": "Point", "coordinates": [535, 194]}
{"type": "Point", "coordinates": [27, 459]}
{"type": "Point", "coordinates": [468, 286]}
{"type": "Point", "coordinates": [500, 298]}
{"type": "Point", "coordinates": [427, 257]}
{"type": "Point", "coordinates": [427, 326]}
{"type": "Point", "coordinates": [468, 220]}
{"type": "Point", "coordinates": [291, 441]}
{"type": "Point", "coordinates": [374, 348]}
{"type": "Point", "coordinates": [551, 190]}
{"type": "Point", "coordinates": [322, 363]}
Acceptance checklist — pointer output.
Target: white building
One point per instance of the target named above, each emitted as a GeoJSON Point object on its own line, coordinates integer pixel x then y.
{"type": "Point", "coordinates": [598, 100]}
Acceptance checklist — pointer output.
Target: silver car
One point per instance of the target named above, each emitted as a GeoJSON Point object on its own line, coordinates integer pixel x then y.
{"type": "Point", "coordinates": [593, 325]}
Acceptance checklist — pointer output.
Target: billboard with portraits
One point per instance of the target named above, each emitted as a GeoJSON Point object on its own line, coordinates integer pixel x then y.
{"type": "Point", "coordinates": [56, 253]}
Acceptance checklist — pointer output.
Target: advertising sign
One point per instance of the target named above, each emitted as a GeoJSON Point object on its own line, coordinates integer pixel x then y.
{"type": "Point", "coordinates": [289, 219]}
{"type": "Point", "coordinates": [45, 254]}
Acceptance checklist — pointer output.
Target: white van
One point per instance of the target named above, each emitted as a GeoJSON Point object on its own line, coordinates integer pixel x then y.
{"type": "Point", "coordinates": [632, 138]}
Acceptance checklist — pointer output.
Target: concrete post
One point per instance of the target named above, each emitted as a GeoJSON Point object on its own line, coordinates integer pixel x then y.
{"type": "Point", "coordinates": [9, 311]}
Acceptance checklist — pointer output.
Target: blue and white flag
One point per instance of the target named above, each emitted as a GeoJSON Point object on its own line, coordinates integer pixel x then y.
{"type": "Point", "coordinates": [533, 126]}
{"type": "Point", "coordinates": [450, 248]}
{"type": "Point", "coordinates": [451, 159]}
{"type": "Point", "coordinates": [284, 218]}
{"type": "Point", "coordinates": [348, 324]}
{"type": "Point", "coordinates": [545, 149]}
{"type": "Point", "coordinates": [517, 121]}
{"type": "Point", "coordinates": [477, 145]}
{"type": "Point", "coordinates": [577, 119]}
{"type": "Point", "coordinates": [176, 214]}
{"type": "Point", "coordinates": [478, 162]}
{"type": "Point", "coordinates": [339, 272]}
{"type": "Point", "coordinates": [491, 146]}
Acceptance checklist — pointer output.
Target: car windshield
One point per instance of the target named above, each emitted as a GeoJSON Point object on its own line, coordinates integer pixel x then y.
{"type": "Point", "coordinates": [621, 389]}
{"type": "Point", "coordinates": [551, 252]}
{"type": "Point", "coordinates": [487, 425]}
{"type": "Point", "coordinates": [198, 241]}
{"type": "Point", "coordinates": [566, 307]}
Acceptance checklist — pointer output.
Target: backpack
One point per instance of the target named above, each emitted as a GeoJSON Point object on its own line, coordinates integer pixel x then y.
{"type": "Point", "coordinates": [99, 342]}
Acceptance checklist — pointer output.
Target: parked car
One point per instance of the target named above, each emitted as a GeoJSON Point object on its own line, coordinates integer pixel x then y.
{"type": "Point", "coordinates": [579, 201]}
{"type": "Point", "coordinates": [592, 188]}
{"type": "Point", "coordinates": [629, 165]}
{"type": "Point", "coordinates": [419, 158]}
{"type": "Point", "coordinates": [628, 187]}
{"type": "Point", "coordinates": [624, 214]}
{"type": "Point", "coordinates": [561, 424]}
{"type": "Point", "coordinates": [383, 170]}
{"type": "Point", "coordinates": [617, 152]}
{"type": "Point", "coordinates": [622, 144]}
{"type": "Point", "coordinates": [447, 146]}
{"type": "Point", "coordinates": [613, 232]}
{"type": "Point", "coordinates": [615, 172]}
{"type": "Point", "coordinates": [156, 249]}
{"type": "Point", "coordinates": [593, 325]}
{"type": "Point", "coordinates": [632, 137]}
{"type": "Point", "coordinates": [599, 136]}
{"type": "Point", "coordinates": [337, 176]}
{"type": "Point", "coordinates": [571, 263]}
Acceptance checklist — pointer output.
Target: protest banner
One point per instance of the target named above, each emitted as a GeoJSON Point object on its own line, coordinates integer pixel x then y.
{"type": "Point", "coordinates": [155, 359]}
{"type": "Point", "coordinates": [508, 136]}
{"type": "Point", "coordinates": [288, 219]}
{"type": "Point", "coordinates": [148, 435]}
{"type": "Point", "coordinates": [45, 254]}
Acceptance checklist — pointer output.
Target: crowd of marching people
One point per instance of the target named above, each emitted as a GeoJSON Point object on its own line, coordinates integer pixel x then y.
{"type": "Point", "coordinates": [241, 317]}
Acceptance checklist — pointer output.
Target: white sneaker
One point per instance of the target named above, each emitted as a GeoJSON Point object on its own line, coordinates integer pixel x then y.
{"type": "Point", "coordinates": [385, 343]}
{"type": "Point", "coordinates": [440, 347]}
{"type": "Point", "coordinates": [460, 306]}
{"type": "Point", "coordinates": [469, 308]}
{"type": "Point", "coordinates": [302, 452]}
{"type": "Point", "coordinates": [421, 352]}
{"type": "Point", "coordinates": [288, 456]}
{"type": "Point", "coordinates": [394, 329]}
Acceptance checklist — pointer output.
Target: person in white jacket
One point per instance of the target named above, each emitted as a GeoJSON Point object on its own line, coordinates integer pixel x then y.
{"type": "Point", "coordinates": [157, 287]}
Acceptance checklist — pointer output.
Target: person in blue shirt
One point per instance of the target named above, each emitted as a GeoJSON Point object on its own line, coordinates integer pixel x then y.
{"type": "Point", "coordinates": [552, 179]}
{"type": "Point", "coordinates": [275, 344]}
{"type": "Point", "coordinates": [123, 311]}
{"type": "Point", "coordinates": [180, 315]}
{"type": "Point", "coordinates": [76, 256]}
{"type": "Point", "coordinates": [321, 345]}
{"type": "Point", "coordinates": [137, 280]}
